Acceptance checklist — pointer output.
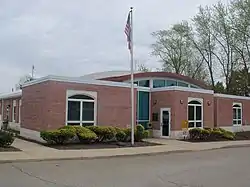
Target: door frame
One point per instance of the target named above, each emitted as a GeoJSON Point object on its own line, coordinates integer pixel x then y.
{"type": "Point", "coordinates": [169, 127]}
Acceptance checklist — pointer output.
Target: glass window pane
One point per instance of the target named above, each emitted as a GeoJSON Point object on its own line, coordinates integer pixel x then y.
{"type": "Point", "coordinates": [190, 124]}
{"type": "Point", "coordinates": [171, 83]}
{"type": "Point", "coordinates": [193, 86]}
{"type": "Point", "coordinates": [81, 97]}
{"type": "Point", "coordinates": [143, 107]}
{"type": "Point", "coordinates": [190, 112]}
{"type": "Point", "coordinates": [195, 102]}
{"type": "Point", "coordinates": [234, 113]}
{"type": "Point", "coordinates": [198, 124]}
{"type": "Point", "coordinates": [183, 84]}
{"type": "Point", "coordinates": [238, 113]}
{"type": "Point", "coordinates": [73, 111]}
{"type": "Point", "coordinates": [239, 122]}
{"type": "Point", "coordinates": [198, 112]}
{"type": "Point", "coordinates": [158, 83]}
{"type": "Point", "coordinates": [88, 111]}
{"type": "Point", "coordinates": [87, 124]}
{"type": "Point", "coordinates": [74, 124]}
{"type": "Point", "coordinates": [235, 122]}
{"type": "Point", "coordinates": [144, 83]}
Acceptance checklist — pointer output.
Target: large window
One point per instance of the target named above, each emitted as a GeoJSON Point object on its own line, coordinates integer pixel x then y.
{"type": "Point", "coordinates": [81, 110]}
{"type": "Point", "coordinates": [195, 114]}
{"type": "Point", "coordinates": [158, 83]}
{"type": "Point", "coordinates": [237, 114]}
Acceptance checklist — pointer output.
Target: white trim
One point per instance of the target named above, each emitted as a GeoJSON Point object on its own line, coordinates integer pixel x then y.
{"type": "Point", "coordinates": [232, 96]}
{"type": "Point", "coordinates": [185, 89]}
{"type": "Point", "coordinates": [241, 113]}
{"type": "Point", "coordinates": [145, 89]}
{"type": "Point", "coordinates": [77, 80]}
{"type": "Point", "coordinates": [11, 95]}
{"type": "Point", "coordinates": [19, 116]}
{"type": "Point", "coordinates": [169, 127]}
{"type": "Point", "coordinates": [13, 113]}
{"type": "Point", "coordinates": [190, 99]}
{"type": "Point", "coordinates": [70, 93]}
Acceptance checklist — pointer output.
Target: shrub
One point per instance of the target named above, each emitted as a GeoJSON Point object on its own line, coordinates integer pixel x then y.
{"type": "Point", "coordinates": [194, 134]}
{"type": "Point", "coordinates": [204, 134]}
{"type": "Point", "coordinates": [59, 136]}
{"type": "Point", "coordinates": [6, 138]}
{"type": "Point", "coordinates": [103, 133]}
{"type": "Point", "coordinates": [120, 136]}
{"type": "Point", "coordinates": [139, 134]}
{"type": "Point", "coordinates": [216, 134]}
{"type": "Point", "coordinates": [146, 134]}
{"type": "Point", "coordinates": [85, 135]}
{"type": "Point", "coordinates": [127, 131]}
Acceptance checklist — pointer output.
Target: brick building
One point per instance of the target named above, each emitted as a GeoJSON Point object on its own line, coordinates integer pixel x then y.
{"type": "Point", "coordinates": [163, 99]}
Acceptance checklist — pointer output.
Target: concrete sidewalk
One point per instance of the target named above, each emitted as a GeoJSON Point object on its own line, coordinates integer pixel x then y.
{"type": "Point", "coordinates": [35, 152]}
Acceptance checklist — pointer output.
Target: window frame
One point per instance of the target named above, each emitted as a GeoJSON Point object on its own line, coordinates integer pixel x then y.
{"type": "Point", "coordinates": [239, 107]}
{"type": "Point", "coordinates": [92, 100]}
{"type": "Point", "coordinates": [14, 111]}
{"type": "Point", "coordinates": [195, 105]}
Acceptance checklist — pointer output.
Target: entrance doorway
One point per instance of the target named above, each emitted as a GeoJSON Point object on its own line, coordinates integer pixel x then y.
{"type": "Point", "coordinates": [165, 122]}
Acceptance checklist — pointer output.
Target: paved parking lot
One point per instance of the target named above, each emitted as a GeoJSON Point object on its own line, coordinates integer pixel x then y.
{"type": "Point", "coordinates": [220, 168]}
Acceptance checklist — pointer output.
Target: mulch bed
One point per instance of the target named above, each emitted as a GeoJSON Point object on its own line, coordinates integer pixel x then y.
{"type": "Point", "coordinates": [101, 145]}
{"type": "Point", "coordinates": [9, 149]}
{"type": "Point", "coordinates": [238, 136]}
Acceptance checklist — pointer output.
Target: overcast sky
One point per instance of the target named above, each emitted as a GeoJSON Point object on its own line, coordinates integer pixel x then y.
{"type": "Point", "coordinates": [77, 37]}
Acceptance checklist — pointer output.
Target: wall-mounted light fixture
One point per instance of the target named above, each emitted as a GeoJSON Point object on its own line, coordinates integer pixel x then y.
{"type": "Point", "coordinates": [181, 101]}
{"type": "Point", "coordinates": [208, 103]}
{"type": "Point", "coordinates": [155, 102]}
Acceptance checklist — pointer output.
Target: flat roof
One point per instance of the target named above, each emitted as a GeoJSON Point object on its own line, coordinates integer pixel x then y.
{"type": "Point", "coordinates": [11, 94]}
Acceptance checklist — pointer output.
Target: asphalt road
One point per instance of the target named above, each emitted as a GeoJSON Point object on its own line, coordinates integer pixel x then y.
{"type": "Point", "coordinates": [217, 168]}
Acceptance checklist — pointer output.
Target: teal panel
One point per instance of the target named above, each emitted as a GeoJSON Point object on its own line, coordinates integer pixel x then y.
{"type": "Point", "coordinates": [143, 105]}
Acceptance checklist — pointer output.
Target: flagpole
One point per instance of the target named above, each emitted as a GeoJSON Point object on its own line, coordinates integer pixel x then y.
{"type": "Point", "coordinates": [132, 80]}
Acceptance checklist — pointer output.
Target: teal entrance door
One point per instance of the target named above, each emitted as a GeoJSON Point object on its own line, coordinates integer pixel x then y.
{"type": "Point", "coordinates": [165, 122]}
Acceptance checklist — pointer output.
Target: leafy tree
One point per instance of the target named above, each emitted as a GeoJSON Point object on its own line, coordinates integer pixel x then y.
{"type": "Point", "coordinates": [174, 48]}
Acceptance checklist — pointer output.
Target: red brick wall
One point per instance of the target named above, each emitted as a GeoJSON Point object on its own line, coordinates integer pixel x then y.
{"type": "Point", "coordinates": [224, 111]}
{"type": "Point", "coordinates": [171, 99]}
{"type": "Point", "coordinates": [44, 104]}
{"type": "Point", "coordinates": [35, 109]}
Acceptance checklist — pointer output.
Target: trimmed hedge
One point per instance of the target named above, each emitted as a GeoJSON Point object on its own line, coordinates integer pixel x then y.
{"type": "Point", "coordinates": [59, 136]}
{"type": "Point", "coordinates": [6, 138]}
{"type": "Point", "coordinates": [90, 134]}
{"type": "Point", "coordinates": [103, 133]}
{"type": "Point", "coordinates": [209, 134]}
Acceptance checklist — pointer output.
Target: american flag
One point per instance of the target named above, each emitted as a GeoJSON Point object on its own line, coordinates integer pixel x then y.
{"type": "Point", "coordinates": [128, 30]}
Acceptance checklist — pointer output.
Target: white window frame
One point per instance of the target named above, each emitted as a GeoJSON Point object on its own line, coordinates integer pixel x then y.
{"type": "Point", "coordinates": [19, 112]}
{"type": "Point", "coordinates": [237, 119]}
{"type": "Point", "coordinates": [93, 95]}
{"type": "Point", "coordinates": [195, 121]}
{"type": "Point", "coordinates": [13, 109]}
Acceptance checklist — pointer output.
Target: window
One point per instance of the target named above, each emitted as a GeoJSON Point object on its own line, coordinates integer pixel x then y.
{"type": "Point", "coordinates": [158, 83]}
{"type": "Point", "coordinates": [237, 114]}
{"type": "Point", "coordinates": [171, 83]}
{"type": "Point", "coordinates": [14, 111]}
{"type": "Point", "coordinates": [81, 110]}
{"type": "Point", "coordinates": [144, 83]}
{"type": "Point", "coordinates": [195, 114]}
{"type": "Point", "coordinates": [182, 84]}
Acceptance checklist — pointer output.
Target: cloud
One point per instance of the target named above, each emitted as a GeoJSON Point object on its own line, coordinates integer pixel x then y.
{"type": "Point", "coordinates": [77, 37]}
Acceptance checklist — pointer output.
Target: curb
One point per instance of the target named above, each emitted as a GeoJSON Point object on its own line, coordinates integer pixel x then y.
{"type": "Point", "coordinates": [93, 158]}
{"type": "Point", "coordinates": [118, 156]}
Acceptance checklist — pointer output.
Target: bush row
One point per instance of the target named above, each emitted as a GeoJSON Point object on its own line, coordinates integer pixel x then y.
{"type": "Point", "coordinates": [91, 134]}
{"type": "Point", "coordinates": [210, 134]}
{"type": "Point", "coordinates": [6, 138]}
